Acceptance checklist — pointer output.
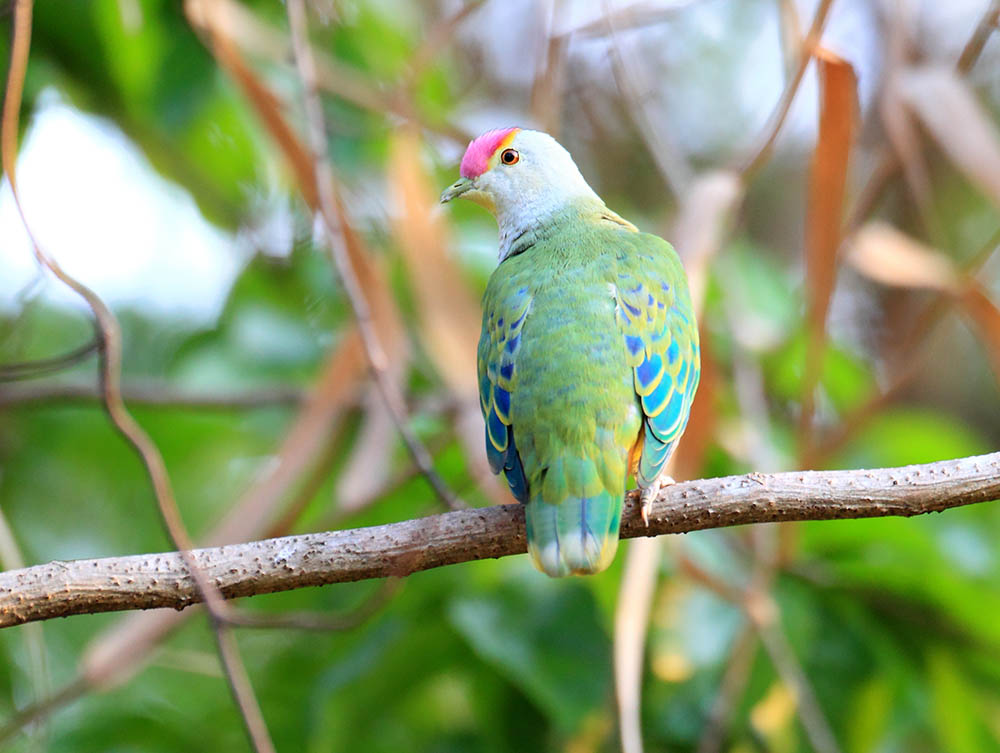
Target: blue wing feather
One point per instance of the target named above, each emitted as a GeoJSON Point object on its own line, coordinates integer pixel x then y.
{"type": "Point", "coordinates": [662, 347]}
{"type": "Point", "coordinates": [498, 347]}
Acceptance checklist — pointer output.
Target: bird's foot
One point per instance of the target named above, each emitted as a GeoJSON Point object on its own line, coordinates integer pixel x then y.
{"type": "Point", "coordinates": [649, 494]}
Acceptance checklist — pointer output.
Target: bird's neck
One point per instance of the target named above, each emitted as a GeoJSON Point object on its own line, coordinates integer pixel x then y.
{"type": "Point", "coordinates": [523, 228]}
{"type": "Point", "coordinates": [528, 220]}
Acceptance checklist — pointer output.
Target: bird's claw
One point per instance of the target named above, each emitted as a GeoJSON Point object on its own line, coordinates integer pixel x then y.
{"type": "Point", "coordinates": [648, 495]}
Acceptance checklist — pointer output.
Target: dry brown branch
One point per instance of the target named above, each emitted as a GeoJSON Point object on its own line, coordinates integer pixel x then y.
{"type": "Point", "coordinates": [59, 589]}
{"type": "Point", "coordinates": [734, 681]}
{"type": "Point", "coordinates": [239, 685]}
{"type": "Point", "coordinates": [319, 621]}
{"type": "Point", "coordinates": [12, 372]}
{"type": "Point", "coordinates": [447, 312]}
{"type": "Point", "coordinates": [331, 211]}
{"type": "Point", "coordinates": [232, 24]}
{"type": "Point", "coordinates": [887, 164]}
{"type": "Point", "coordinates": [438, 38]}
{"type": "Point", "coordinates": [117, 653]}
{"type": "Point", "coordinates": [631, 82]}
{"type": "Point", "coordinates": [908, 358]}
{"type": "Point", "coordinates": [817, 728]}
{"type": "Point", "coordinates": [762, 151]}
{"type": "Point", "coordinates": [974, 47]}
{"type": "Point", "coordinates": [109, 333]}
{"type": "Point", "coordinates": [33, 640]}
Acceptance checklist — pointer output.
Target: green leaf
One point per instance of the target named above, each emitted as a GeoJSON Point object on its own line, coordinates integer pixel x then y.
{"type": "Point", "coordinates": [911, 435]}
{"type": "Point", "coordinates": [846, 379]}
{"type": "Point", "coordinates": [545, 636]}
{"type": "Point", "coordinates": [954, 706]}
{"type": "Point", "coordinates": [869, 714]}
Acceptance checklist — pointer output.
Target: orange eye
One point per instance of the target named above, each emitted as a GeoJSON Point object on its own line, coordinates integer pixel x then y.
{"type": "Point", "coordinates": [509, 156]}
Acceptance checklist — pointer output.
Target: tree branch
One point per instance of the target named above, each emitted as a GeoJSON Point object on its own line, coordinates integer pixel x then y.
{"type": "Point", "coordinates": [146, 581]}
{"type": "Point", "coordinates": [157, 395]}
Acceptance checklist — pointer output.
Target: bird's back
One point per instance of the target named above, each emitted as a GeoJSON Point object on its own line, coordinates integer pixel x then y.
{"type": "Point", "coordinates": [588, 360]}
{"type": "Point", "coordinates": [561, 410]}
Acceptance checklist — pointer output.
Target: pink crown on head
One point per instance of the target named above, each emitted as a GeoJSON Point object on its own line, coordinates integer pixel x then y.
{"type": "Point", "coordinates": [481, 148]}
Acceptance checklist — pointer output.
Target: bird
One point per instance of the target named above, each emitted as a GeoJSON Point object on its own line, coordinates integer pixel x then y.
{"type": "Point", "coordinates": [589, 356]}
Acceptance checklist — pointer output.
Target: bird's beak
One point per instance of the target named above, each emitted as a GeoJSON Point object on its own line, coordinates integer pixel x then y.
{"type": "Point", "coordinates": [456, 189]}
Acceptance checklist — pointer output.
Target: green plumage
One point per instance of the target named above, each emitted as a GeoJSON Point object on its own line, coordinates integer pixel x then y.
{"type": "Point", "coordinates": [589, 346]}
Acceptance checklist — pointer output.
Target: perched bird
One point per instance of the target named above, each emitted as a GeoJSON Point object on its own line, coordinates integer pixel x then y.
{"type": "Point", "coordinates": [588, 359]}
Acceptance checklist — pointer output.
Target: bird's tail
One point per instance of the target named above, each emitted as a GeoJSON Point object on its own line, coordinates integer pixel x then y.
{"type": "Point", "coordinates": [573, 519]}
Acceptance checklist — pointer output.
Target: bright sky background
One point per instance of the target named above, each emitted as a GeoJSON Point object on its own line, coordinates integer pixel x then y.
{"type": "Point", "coordinates": [96, 204]}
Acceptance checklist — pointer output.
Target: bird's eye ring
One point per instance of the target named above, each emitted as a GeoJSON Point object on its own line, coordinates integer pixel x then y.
{"type": "Point", "coordinates": [509, 156]}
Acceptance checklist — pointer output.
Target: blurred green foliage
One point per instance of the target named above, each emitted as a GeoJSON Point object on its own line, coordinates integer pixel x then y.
{"type": "Point", "coordinates": [896, 623]}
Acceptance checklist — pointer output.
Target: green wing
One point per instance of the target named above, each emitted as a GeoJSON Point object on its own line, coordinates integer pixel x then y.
{"type": "Point", "coordinates": [588, 342]}
{"type": "Point", "coordinates": [655, 315]}
{"type": "Point", "coordinates": [559, 410]}
{"type": "Point", "coordinates": [499, 342]}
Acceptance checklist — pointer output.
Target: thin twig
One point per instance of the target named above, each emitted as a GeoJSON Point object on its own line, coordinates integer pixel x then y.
{"type": "Point", "coordinates": [33, 640]}
{"type": "Point", "coordinates": [706, 579]}
{"type": "Point", "coordinates": [241, 688]}
{"type": "Point", "coordinates": [115, 654]}
{"type": "Point", "coordinates": [239, 25]}
{"type": "Point", "coordinates": [338, 513]}
{"type": "Point", "coordinates": [42, 708]}
{"type": "Point", "coordinates": [776, 644]}
{"type": "Point", "coordinates": [886, 168]}
{"type": "Point", "coordinates": [666, 155]}
{"type": "Point", "coordinates": [764, 614]}
{"type": "Point", "coordinates": [59, 589]}
{"type": "Point", "coordinates": [763, 617]}
{"type": "Point", "coordinates": [155, 395]}
{"type": "Point", "coordinates": [549, 79]}
{"type": "Point", "coordinates": [887, 164]}
{"type": "Point", "coordinates": [334, 220]}
{"type": "Point", "coordinates": [790, 29]}
{"type": "Point", "coordinates": [437, 39]}
{"type": "Point", "coordinates": [734, 681]}
{"type": "Point", "coordinates": [765, 142]}
{"type": "Point", "coordinates": [10, 372]}
{"type": "Point", "coordinates": [974, 47]}
{"type": "Point", "coordinates": [908, 358]}
{"type": "Point", "coordinates": [111, 363]}
{"type": "Point", "coordinates": [630, 17]}
{"type": "Point", "coordinates": [321, 622]}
